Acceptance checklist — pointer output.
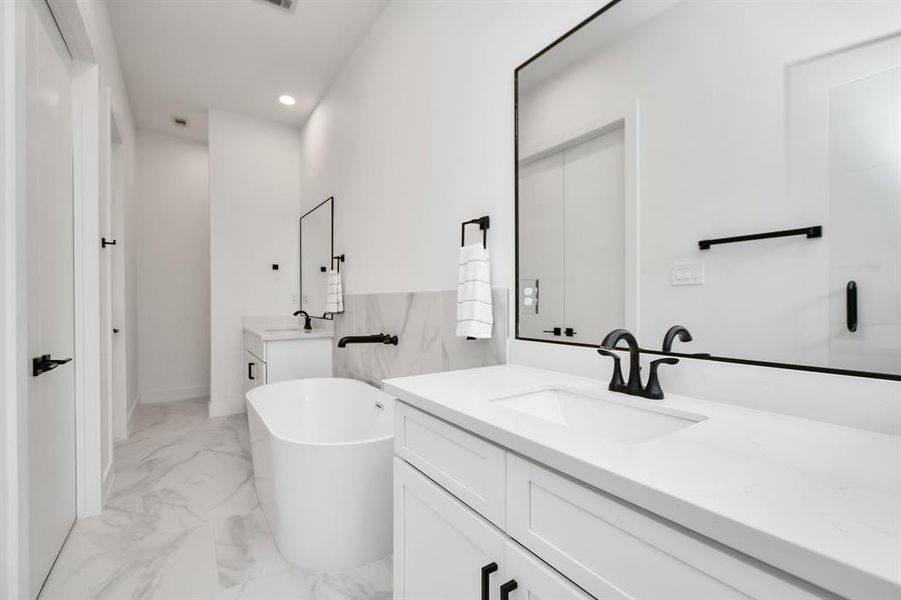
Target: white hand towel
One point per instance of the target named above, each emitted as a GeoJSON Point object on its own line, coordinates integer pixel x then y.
{"type": "Point", "coordinates": [334, 293]}
{"type": "Point", "coordinates": [474, 316]}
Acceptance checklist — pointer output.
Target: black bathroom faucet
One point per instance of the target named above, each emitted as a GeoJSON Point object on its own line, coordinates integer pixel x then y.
{"type": "Point", "coordinates": [307, 324]}
{"type": "Point", "coordinates": [652, 391]}
{"type": "Point", "coordinates": [679, 331]}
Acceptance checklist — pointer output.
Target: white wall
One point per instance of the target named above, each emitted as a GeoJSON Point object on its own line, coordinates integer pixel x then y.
{"type": "Point", "coordinates": [173, 267]}
{"type": "Point", "coordinates": [254, 221]}
{"type": "Point", "coordinates": [416, 135]}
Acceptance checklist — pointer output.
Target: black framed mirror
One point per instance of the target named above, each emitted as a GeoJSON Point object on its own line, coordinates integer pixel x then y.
{"type": "Point", "coordinates": [317, 247]}
{"type": "Point", "coordinates": [731, 167]}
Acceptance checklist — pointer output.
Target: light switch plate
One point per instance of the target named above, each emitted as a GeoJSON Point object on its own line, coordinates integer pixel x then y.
{"type": "Point", "coordinates": [688, 273]}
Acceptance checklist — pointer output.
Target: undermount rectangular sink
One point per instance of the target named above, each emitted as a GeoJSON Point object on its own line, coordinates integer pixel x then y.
{"type": "Point", "coordinates": [617, 421]}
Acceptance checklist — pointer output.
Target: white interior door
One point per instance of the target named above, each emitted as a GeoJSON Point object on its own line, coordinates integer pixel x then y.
{"type": "Point", "coordinates": [108, 249]}
{"type": "Point", "coordinates": [595, 236]}
{"type": "Point", "coordinates": [865, 218]}
{"type": "Point", "coordinates": [541, 247]}
{"type": "Point", "coordinates": [51, 325]}
{"type": "Point", "coordinates": [119, 407]}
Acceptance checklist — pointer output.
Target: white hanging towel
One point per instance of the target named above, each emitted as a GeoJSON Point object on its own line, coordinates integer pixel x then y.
{"type": "Point", "coordinates": [474, 315]}
{"type": "Point", "coordinates": [334, 293]}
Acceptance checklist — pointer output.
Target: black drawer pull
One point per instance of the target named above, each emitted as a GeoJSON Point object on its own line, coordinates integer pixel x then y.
{"type": "Point", "coordinates": [507, 588]}
{"type": "Point", "coordinates": [487, 570]}
{"type": "Point", "coordinates": [250, 371]}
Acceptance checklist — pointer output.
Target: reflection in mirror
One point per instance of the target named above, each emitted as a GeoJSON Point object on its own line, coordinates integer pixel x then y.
{"type": "Point", "coordinates": [659, 124]}
{"type": "Point", "coordinates": [316, 250]}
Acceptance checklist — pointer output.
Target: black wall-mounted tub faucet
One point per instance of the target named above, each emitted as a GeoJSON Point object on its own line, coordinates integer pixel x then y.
{"type": "Point", "coordinates": [379, 338]}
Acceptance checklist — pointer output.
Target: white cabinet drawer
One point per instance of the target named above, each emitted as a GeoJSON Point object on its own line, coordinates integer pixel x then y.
{"type": "Point", "coordinates": [613, 549]}
{"type": "Point", "coordinates": [467, 466]}
{"type": "Point", "coordinates": [255, 345]}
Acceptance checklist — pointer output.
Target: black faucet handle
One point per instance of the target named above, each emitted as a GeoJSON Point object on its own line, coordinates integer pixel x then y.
{"type": "Point", "coordinates": [653, 390]}
{"type": "Point", "coordinates": [616, 380]}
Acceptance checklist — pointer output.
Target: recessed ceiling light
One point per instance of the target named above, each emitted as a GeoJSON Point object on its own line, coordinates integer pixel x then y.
{"type": "Point", "coordinates": [287, 100]}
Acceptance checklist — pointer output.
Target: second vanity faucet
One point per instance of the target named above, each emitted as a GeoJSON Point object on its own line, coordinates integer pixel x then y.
{"type": "Point", "coordinates": [307, 324]}
{"type": "Point", "coordinates": [633, 387]}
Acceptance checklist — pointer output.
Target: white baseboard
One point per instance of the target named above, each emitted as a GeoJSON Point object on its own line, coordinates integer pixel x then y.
{"type": "Point", "coordinates": [108, 479]}
{"type": "Point", "coordinates": [191, 393]}
{"type": "Point", "coordinates": [130, 419]}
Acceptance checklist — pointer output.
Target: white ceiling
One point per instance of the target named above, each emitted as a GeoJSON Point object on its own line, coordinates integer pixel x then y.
{"type": "Point", "coordinates": [182, 57]}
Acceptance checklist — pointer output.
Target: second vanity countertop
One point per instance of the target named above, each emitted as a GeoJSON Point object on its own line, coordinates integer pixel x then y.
{"type": "Point", "coordinates": [274, 333]}
{"type": "Point", "coordinates": [819, 501]}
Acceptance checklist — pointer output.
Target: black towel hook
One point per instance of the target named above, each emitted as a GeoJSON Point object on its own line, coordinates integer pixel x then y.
{"type": "Point", "coordinates": [483, 222]}
{"type": "Point", "coordinates": [337, 265]}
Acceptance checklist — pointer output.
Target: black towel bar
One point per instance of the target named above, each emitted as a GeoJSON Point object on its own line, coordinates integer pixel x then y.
{"type": "Point", "coordinates": [483, 222]}
{"type": "Point", "coordinates": [811, 232]}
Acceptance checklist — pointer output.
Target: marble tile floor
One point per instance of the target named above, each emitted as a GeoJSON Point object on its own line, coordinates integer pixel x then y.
{"type": "Point", "coordinates": [183, 522]}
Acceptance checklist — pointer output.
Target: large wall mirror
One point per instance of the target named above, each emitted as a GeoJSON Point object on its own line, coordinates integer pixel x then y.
{"type": "Point", "coordinates": [733, 167]}
{"type": "Point", "coordinates": [316, 251]}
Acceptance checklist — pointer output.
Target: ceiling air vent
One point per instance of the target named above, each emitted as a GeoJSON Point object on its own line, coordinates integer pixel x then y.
{"type": "Point", "coordinates": [287, 5]}
{"type": "Point", "coordinates": [180, 121]}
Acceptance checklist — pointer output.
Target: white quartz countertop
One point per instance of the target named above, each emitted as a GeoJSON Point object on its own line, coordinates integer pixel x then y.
{"type": "Point", "coordinates": [819, 501]}
{"type": "Point", "coordinates": [274, 333]}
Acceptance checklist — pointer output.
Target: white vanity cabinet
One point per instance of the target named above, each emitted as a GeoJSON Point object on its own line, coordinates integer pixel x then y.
{"type": "Point", "coordinates": [272, 355]}
{"type": "Point", "coordinates": [450, 552]}
{"type": "Point", "coordinates": [555, 537]}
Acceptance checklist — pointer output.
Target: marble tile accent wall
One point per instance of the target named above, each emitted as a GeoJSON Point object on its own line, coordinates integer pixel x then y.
{"type": "Point", "coordinates": [425, 323]}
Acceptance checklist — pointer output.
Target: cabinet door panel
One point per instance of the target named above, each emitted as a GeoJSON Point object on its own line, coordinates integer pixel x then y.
{"type": "Point", "coordinates": [440, 545]}
{"type": "Point", "coordinates": [254, 372]}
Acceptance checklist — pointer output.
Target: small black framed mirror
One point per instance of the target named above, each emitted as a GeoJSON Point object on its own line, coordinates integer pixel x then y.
{"type": "Point", "coordinates": [317, 245]}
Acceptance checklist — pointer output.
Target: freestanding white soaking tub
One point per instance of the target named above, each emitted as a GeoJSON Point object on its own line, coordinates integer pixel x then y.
{"type": "Point", "coordinates": [322, 453]}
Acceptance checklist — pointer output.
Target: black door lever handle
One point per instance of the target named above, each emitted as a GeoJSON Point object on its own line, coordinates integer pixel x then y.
{"type": "Point", "coordinates": [851, 306]}
{"type": "Point", "coordinates": [43, 363]}
{"type": "Point", "coordinates": [105, 242]}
